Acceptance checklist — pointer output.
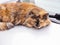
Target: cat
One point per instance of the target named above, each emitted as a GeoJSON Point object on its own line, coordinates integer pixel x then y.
{"type": "Point", "coordinates": [22, 13]}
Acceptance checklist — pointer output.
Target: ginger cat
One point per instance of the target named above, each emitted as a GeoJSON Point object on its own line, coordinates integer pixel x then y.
{"type": "Point", "coordinates": [22, 13]}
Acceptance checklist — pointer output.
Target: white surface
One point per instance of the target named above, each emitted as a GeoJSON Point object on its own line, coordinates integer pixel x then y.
{"type": "Point", "coordinates": [49, 5]}
{"type": "Point", "coordinates": [20, 35]}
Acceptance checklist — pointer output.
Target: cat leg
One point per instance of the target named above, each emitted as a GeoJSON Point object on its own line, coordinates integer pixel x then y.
{"type": "Point", "coordinates": [5, 25]}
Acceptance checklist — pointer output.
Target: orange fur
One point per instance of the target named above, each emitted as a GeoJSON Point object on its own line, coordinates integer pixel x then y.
{"type": "Point", "coordinates": [21, 13]}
